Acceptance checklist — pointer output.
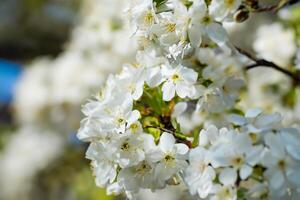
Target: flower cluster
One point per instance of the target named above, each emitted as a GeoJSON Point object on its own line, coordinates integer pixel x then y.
{"type": "Point", "coordinates": [51, 91]}
{"type": "Point", "coordinates": [265, 43]}
{"type": "Point", "coordinates": [173, 115]}
{"type": "Point", "coordinates": [277, 93]}
{"type": "Point", "coordinates": [27, 152]}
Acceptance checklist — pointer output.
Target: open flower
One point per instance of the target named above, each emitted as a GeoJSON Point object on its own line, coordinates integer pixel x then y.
{"type": "Point", "coordinates": [282, 170]}
{"type": "Point", "coordinates": [171, 158]}
{"type": "Point", "coordinates": [199, 175]}
{"type": "Point", "coordinates": [180, 80]}
{"type": "Point", "coordinates": [203, 24]}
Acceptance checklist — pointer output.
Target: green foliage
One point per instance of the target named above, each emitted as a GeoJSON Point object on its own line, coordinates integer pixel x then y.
{"type": "Point", "coordinates": [151, 101]}
{"type": "Point", "coordinates": [156, 114]}
{"type": "Point", "coordinates": [241, 193]}
{"type": "Point", "coordinates": [290, 98]}
{"type": "Point", "coordinates": [294, 19]}
{"type": "Point", "coordinates": [159, 2]}
{"type": "Point", "coordinates": [152, 126]}
{"type": "Point", "coordinates": [196, 134]}
{"type": "Point", "coordinates": [237, 111]}
{"type": "Point", "coordinates": [33, 5]}
{"type": "Point", "coordinates": [86, 189]}
{"type": "Point", "coordinates": [257, 173]}
{"type": "Point", "coordinates": [116, 24]}
{"type": "Point", "coordinates": [155, 132]}
{"type": "Point", "coordinates": [5, 132]}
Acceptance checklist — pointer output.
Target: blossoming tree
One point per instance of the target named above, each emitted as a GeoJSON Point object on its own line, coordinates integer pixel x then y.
{"type": "Point", "coordinates": [176, 114]}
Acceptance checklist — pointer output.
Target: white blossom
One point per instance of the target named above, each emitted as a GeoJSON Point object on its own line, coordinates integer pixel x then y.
{"type": "Point", "coordinates": [180, 80]}
{"type": "Point", "coordinates": [270, 38]}
{"type": "Point", "coordinates": [171, 158]}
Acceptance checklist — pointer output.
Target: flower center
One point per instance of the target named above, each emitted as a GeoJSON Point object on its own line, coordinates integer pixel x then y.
{"type": "Point", "coordinates": [206, 19]}
{"type": "Point", "coordinates": [149, 18]}
{"type": "Point", "coordinates": [125, 146]}
{"type": "Point", "coordinates": [120, 120]}
{"type": "Point", "coordinates": [237, 161]}
{"type": "Point", "coordinates": [170, 27]}
{"type": "Point", "coordinates": [175, 77]}
{"type": "Point", "coordinates": [253, 137]}
{"type": "Point", "coordinates": [134, 127]}
{"type": "Point", "coordinates": [229, 3]}
{"type": "Point", "coordinates": [202, 167]}
{"type": "Point", "coordinates": [281, 164]}
{"type": "Point", "coordinates": [169, 158]}
{"type": "Point", "coordinates": [143, 168]}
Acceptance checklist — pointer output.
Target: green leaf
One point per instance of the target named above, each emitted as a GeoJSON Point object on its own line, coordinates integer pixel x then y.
{"type": "Point", "coordinates": [196, 133]}
{"type": "Point", "coordinates": [153, 99]}
{"type": "Point", "coordinates": [180, 135]}
{"type": "Point", "coordinates": [155, 132]}
{"type": "Point", "coordinates": [237, 111]}
{"type": "Point", "coordinates": [151, 122]}
{"type": "Point", "coordinates": [33, 5]}
{"type": "Point", "coordinates": [159, 2]}
{"type": "Point", "coordinates": [290, 98]}
{"type": "Point", "coordinates": [85, 188]}
{"type": "Point", "coordinates": [241, 193]}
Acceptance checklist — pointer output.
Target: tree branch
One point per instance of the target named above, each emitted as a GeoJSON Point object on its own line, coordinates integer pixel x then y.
{"type": "Point", "coordinates": [275, 7]}
{"type": "Point", "coordinates": [265, 63]}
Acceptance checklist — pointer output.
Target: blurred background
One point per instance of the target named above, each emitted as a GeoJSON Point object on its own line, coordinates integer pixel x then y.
{"type": "Point", "coordinates": [55, 54]}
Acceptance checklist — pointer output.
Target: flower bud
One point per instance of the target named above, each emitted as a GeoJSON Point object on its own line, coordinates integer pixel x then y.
{"type": "Point", "coordinates": [241, 15]}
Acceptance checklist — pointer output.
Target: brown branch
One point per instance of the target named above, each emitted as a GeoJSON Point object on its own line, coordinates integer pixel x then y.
{"type": "Point", "coordinates": [178, 139]}
{"type": "Point", "coordinates": [265, 63]}
{"type": "Point", "coordinates": [274, 8]}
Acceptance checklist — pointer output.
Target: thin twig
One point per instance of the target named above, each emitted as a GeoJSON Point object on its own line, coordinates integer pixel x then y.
{"type": "Point", "coordinates": [265, 63]}
{"type": "Point", "coordinates": [169, 131]}
{"type": "Point", "coordinates": [274, 8]}
{"type": "Point", "coordinates": [162, 129]}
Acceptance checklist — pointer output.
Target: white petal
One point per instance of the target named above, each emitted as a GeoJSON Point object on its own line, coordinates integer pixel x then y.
{"type": "Point", "coordinates": [277, 180]}
{"type": "Point", "coordinates": [216, 33]}
{"type": "Point", "coordinates": [197, 154]}
{"type": "Point", "coordinates": [237, 119]}
{"type": "Point", "coordinates": [228, 176]}
{"type": "Point", "coordinates": [183, 89]}
{"type": "Point", "coordinates": [198, 10]}
{"type": "Point", "coordinates": [138, 91]}
{"type": "Point", "coordinates": [275, 144]}
{"type": "Point", "coordinates": [133, 117]}
{"type": "Point", "coordinates": [149, 144]}
{"type": "Point", "coordinates": [179, 108]}
{"type": "Point", "coordinates": [127, 103]}
{"type": "Point", "coordinates": [169, 39]}
{"type": "Point", "coordinates": [252, 113]}
{"type": "Point", "coordinates": [114, 188]}
{"type": "Point", "coordinates": [245, 171]}
{"type": "Point", "coordinates": [203, 139]}
{"type": "Point", "coordinates": [293, 174]}
{"type": "Point", "coordinates": [154, 77]}
{"type": "Point", "coordinates": [213, 133]}
{"type": "Point", "coordinates": [188, 74]}
{"type": "Point", "coordinates": [218, 10]}
{"type": "Point", "coordinates": [254, 156]}
{"type": "Point", "coordinates": [266, 120]}
{"type": "Point", "coordinates": [294, 151]}
{"type": "Point", "coordinates": [166, 142]}
{"type": "Point", "coordinates": [155, 155]}
{"type": "Point", "coordinates": [195, 35]}
{"type": "Point", "coordinates": [181, 149]}
{"type": "Point", "coordinates": [168, 91]}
